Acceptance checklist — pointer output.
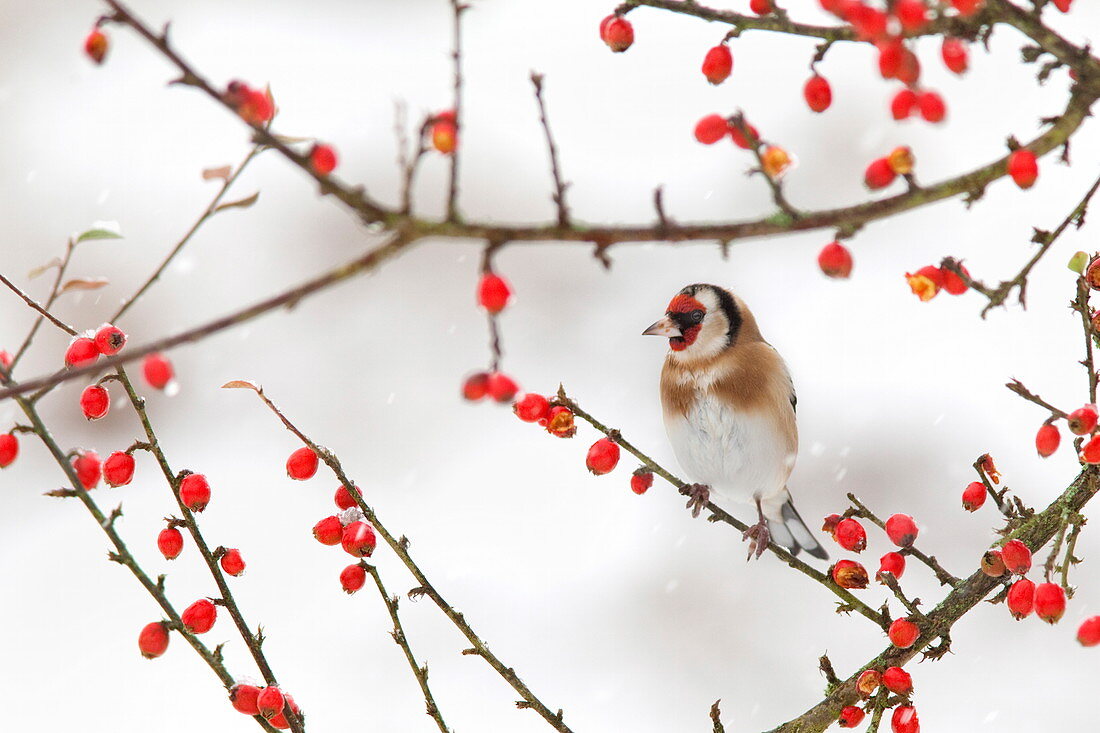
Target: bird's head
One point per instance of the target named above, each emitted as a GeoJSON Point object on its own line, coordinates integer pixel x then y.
{"type": "Point", "coordinates": [700, 322]}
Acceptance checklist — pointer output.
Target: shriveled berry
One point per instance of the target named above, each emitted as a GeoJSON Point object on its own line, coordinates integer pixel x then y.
{"type": "Point", "coordinates": [322, 159]}
{"type": "Point", "coordinates": [902, 530]}
{"type": "Point", "coordinates": [993, 564]}
{"type": "Point", "coordinates": [270, 701]}
{"type": "Point", "coordinates": [641, 481]}
{"type": "Point", "coordinates": [96, 45]}
{"type": "Point", "coordinates": [118, 469]}
{"type": "Point", "coordinates": [973, 496]}
{"type": "Point", "coordinates": [893, 563]}
{"type": "Point", "coordinates": [904, 103]}
{"type": "Point", "coordinates": [532, 407]}
{"type": "Point", "coordinates": [711, 129]}
{"type": "Point", "coordinates": [901, 160]}
{"type": "Point", "coordinates": [932, 107]}
{"type": "Point", "coordinates": [835, 260]}
{"type": "Point", "coordinates": [868, 681]}
{"type": "Point", "coordinates": [1023, 166]}
{"type": "Point", "coordinates": [476, 386]}
{"type": "Point", "coordinates": [82, 352]}
{"type": "Point", "coordinates": [849, 574]}
{"type": "Point", "coordinates": [955, 56]}
{"type": "Point", "coordinates": [88, 467]}
{"type": "Point", "coordinates": [493, 292]}
{"type": "Point", "coordinates": [904, 720]}
{"type": "Point", "coordinates": [775, 161]}
{"type": "Point", "coordinates": [1082, 420]}
{"type": "Point", "coordinates": [879, 174]}
{"type": "Point", "coordinates": [502, 388]}
{"type": "Point", "coordinates": [353, 578]}
{"type": "Point", "coordinates": [903, 633]}
{"type": "Point", "coordinates": [617, 33]}
{"type": "Point", "coordinates": [850, 535]}
{"type": "Point", "coordinates": [559, 422]}
{"type": "Point", "coordinates": [329, 531]}
{"type": "Point", "coordinates": [95, 402]}
{"type": "Point", "coordinates": [897, 680]}
{"type": "Point", "coordinates": [195, 492]}
{"type": "Point", "coordinates": [818, 93]}
{"type": "Point", "coordinates": [157, 371]}
{"type": "Point", "coordinates": [1088, 634]}
{"type": "Point", "coordinates": [243, 697]}
{"type": "Point", "coordinates": [851, 716]}
{"type": "Point", "coordinates": [9, 449]}
{"type": "Point", "coordinates": [603, 456]}
{"type": "Point", "coordinates": [200, 616]}
{"type": "Point", "coordinates": [358, 539]}
{"type": "Point", "coordinates": [302, 464]}
{"type": "Point", "coordinates": [829, 524]}
{"type": "Point", "coordinates": [232, 562]}
{"type": "Point", "coordinates": [343, 497]}
{"type": "Point", "coordinates": [170, 543]}
{"type": "Point", "coordinates": [1047, 440]}
{"type": "Point", "coordinates": [153, 640]}
{"type": "Point", "coordinates": [1016, 556]}
{"type": "Point", "coordinates": [1021, 598]}
{"type": "Point", "coordinates": [926, 282]}
{"type": "Point", "coordinates": [1050, 602]}
{"type": "Point", "coordinates": [718, 64]}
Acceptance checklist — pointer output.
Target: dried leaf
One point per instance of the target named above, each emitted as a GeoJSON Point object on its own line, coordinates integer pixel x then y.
{"type": "Point", "coordinates": [243, 384]}
{"type": "Point", "coordinates": [55, 262]}
{"type": "Point", "coordinates": [240, 204]}
{"type": "Point", "coordinates": [100, 230]}
{"type": "Point", "coordinates": [292, 140]}
{"type": "Point", "coordinates": [209, 174]}
{"type": "Point", "coordinates": [93, 283]}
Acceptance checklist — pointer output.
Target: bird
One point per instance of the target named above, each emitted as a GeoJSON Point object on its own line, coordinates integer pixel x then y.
{"type": "Point", "coordinates": [729, 410]}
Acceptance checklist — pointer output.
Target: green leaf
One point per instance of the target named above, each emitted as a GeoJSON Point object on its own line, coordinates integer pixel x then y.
{"type": "Point", "coordinates": [1077, 263]}
{"type": "Point", "coordinates": [98, 233]}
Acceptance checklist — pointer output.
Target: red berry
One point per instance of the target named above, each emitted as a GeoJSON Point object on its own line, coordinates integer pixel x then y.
{"type": "Point", "coordinates": [909, 71]}
{"type": "Point", "coordinates": [118, 469]}
{"type": "Point", "coordinates": [868, 23]}
{"type": "Point", "coordinates": [243, 697]}
{"type": "Point", "coordinates": [352, 578]}
{"type": "Point", "coordinates": [532, 407]}
{"type": "Point", "coordinates": [718, 64]}
{"type": "Point", "coordinates": [641, 481]}
{"type": "Point", "coordinates": [279, 720]}
{"type": "Point", "coordinates": [739, 138]}
{"type": "Point", "coordinates": [200, 616]}
{"type": "Point", "coordinates": [322, 159]}
{"type": "Point", "coordinates": [818, 93]}
{"type": "Point", "coordinates": [893, 563]}
{"type": "Point", "coordinates": [232, 562]}
{"type": "Point", "coordinates": [195, 492]}
{"type": "Point", "coordinates": [1021, 598]}
{"type": "Point", "coordinates": [955, 56]}
{"type": "Point", "coordinates": [890, 55]}
{"type": "Point", "coordinates": [932, 107]}
{"type": "Point", "coordinates": [967, 7]}
{"type": "Point", "coordinates": [903, 104]}
{"type": "Point", "coordinates": [912, 14]}
{"type": "Point", "coordinates": [926, 282]}
{"type": "Point", "coordinates": [974, 496]}
{"type": "Point", "coordinates": [560, 422]}
{"type": "Point", "coordinates": [358, 539]}
{"type": "Point", "coordinates": [1090, 451]}
{"type": "Point", "coordinates": [952, 283]}
{"type": "Point", "coordinates": [157, 371]}
{"type": "Point", "coordinates": [255, 106]}
{"type": "Point", "coordinates": [849, 574]}
{"type": "Point", "coordinates": [445, 136]}
{"type": "Point", "coordinates": [1062, 5]}
{"type": "Point", "coordinates": [761, 7]}
{"type": "Point", "coordinates": [711, 129]}
{"type": "Point", "coordinates": [153, 640]}
{"type": "Point", "coordinates": [88, 467]}
{"type": "Point", "coordinates": [329, 531]}
{"type": "Point", "coordinates": [493, 292]}
{"type": "Point", "coordinates": [270, 701]}
{"type": "Point", "coordinates": [617, 33]}
{"type": "Point", "coordinates": [9, 449]}
{"type": "Point", "coordinates": [993, 564]}
{"type": "Point", "coordinates": [1016, 556]}
{"type": "Point", "coordinates": [109, 339]}
{"type": "Point", "coordinates": [851, 716]}
{"type": "Point", "coordinates": [1082, 420]}
{"type": "Point", "coordinates": [903, 633]}
{"type": "Point", "coordinates": [902, 530]}
{"type": "Point", "coordinates": [170, 543]}
{"type": "Point", "coordinates": [1047, 440]}
{"type": "Point", "coordinates": [95, 401]}
{"type": "Point", "coordinates": [879, 174]}
{"type": "Point", "coordinates": [603, 456]}
{"type": "Point", "coordinates": [904, 720]}
{"type": "Point", "coordinates": [1089, 632]}
{"type": "Point", "coordinates": [502, 388]}
{"type": "Point", "coordinates": [82, 352]}
{"type": "Point", "coordinates": [835, 260]}
{"type": "Point", "coordinates": [476, 386]}
{"type": "Point", "coordinates": [850, 535]}
{"type": "Point", "coordinates": [343, 497]}
{"type": "Point", "coordinates": [897, 680]}
{"type": "Point", "coordinates": [1050, 602]}
{"type": "Point", "coordinates": [302, 464]}
{"type": "Point", "coordinates": [830, 523]}
{"type": "Point", "coordinates": [96, 45]}
{"type": "Point", "coordinates": [1023, 167]}
{"type": "Point", "coordinates": [868, 682]}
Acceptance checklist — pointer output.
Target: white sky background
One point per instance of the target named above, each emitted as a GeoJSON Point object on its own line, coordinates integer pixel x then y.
{"type": "Point", "coordinates": [618, 608]}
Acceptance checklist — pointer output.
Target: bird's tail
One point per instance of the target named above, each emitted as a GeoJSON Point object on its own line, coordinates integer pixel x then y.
{"type": "Point", "coordinates": [788, 529]}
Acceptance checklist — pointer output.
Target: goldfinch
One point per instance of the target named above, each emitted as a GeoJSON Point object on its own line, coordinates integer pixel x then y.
{"type": "Point", "coordinates": [729, 410]}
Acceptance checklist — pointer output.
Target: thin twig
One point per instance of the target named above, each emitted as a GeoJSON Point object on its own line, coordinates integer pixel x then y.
{"type": "Point", "coordinates": [55, 290]}
{"type": "Point", "coordinates": [555, 167]}
{"type": "Point", "coordinates": [452, 188]}
{"type": "Point", "coordinates": [941, 574]}
{"type": "Point", "coordinates": [1017, 386]}
{"type": "Point", "coordinates": [37, 308]}
{"type": "Point", "coordinates": [755, 145]}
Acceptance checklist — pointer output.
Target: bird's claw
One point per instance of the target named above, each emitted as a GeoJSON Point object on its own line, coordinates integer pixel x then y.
{"type": "Point", "coordinates": [759, 537]}
{"type": "Point", "coordinates": [698, 496]}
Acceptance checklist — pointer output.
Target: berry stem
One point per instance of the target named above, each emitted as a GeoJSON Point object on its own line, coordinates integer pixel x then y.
{"type": "Point", "coordinates": [555, 167]}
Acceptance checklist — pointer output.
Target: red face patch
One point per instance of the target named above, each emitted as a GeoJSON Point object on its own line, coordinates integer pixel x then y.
{"type": "Point", "coordinates": [681, 343]}
{"type": "Point", "coordinates": [685, 304]}
{"type": "Point", "coordinates": [679, 306]}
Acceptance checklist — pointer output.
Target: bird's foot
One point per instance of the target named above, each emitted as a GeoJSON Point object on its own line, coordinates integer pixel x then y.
{"type": "Point", "coordinates": [758, 536]}
{"type": "Point", "coordinates": [698, 496]}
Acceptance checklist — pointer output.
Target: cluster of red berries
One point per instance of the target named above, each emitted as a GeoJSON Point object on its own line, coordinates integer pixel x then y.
{"type": "Point", "coordinates": [849, 533]}
{"type": "Point", "coordinates": [713, 128]}
{"type": "Point", "coordinates": [1047, 600]}
{"type": "Point", "coordinates": [255, 106]}
{"type": "Point", "coordinates": [1083, 422]}
{"type": "Point", "coordinates": [493, 294]}
{"type": "Point", "coordinates": [268, 702]}
{"type": "Point", "coordinates": [346, 528]}
{"type": "Point", "coordinates": [883, 171]}
{"type": "Point", "coordinates": [894, 679]}
{"type": "Point", "coordinates": [444, 132]}
{"type": "Point", "coordinates": [84, 350]}
{"type": "Point", "coordinates": [927, 282]}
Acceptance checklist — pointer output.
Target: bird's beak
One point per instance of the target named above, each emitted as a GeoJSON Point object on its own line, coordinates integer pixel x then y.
{"type": "Point", "coordinates": [664, 327]}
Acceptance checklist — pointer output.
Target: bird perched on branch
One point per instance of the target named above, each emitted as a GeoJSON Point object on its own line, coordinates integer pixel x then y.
{"type": "Point", "coordinates": [729, 409]}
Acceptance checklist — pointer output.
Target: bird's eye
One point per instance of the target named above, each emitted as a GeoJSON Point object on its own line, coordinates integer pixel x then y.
{"type": "Point", "coordinates": [696, 316]}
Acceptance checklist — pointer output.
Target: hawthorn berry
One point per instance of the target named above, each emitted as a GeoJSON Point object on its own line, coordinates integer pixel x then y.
{"type": "Point", "coordinates": [761, 7]}
{"type": "Point", "coordinates": [445, 133]}
{"type": "Point", "coordinates": [902, 530]}
{"type": "Point", "coordinates": [353, 578]}
{"type": "Point", "coordinates": [851, 716]}
{"type": "Point", "coordinates": [157, 371]}
{"type": "Point", "coordinates": [1050, 602]}
{"type": "Point", "coordinates": [559, 422]}
{"type": "Point", "coordinates": [973, 496]}
{"type": "Point", "coordinates": [302, 464]}
{"type": "Point", "coordinates": [775, 161]}
{"type": "Point", "coordinates": [890, 56]}
{"type": "Point", "coordinates": [897, 680]}
{"type": "Point", "coordinates": [1090, 451]}
{"type": "Point", "coordinates": [195, 492]}
{"type": "Point", "coordinates": [904, 720]}
{"type": "Point", "coordinates": [617, 33]}
{"type": "Point", "coordinates": [200, 616]}
{"type": "Point", "coordinates": [909, 71]}
{"type": "Point", "coordinates": [279, 719]}
{"type": "Point", "coordinates": [153, 640]}
{"type": "Point", "coordinates": [993, 564]}
{"type": "Point", "coordinates": [270, 701]}
{"type": "Point", "coordinates": [82, 352]}
{"type": "Point", "coordinates": [232, 562]}
{"type": "Point", "coordinates": [641, 480]}
{"type": "Point", "coordinates": [603, 456]}
{"type": "Point", "coordinates": [1082, 420]}
{"type": "Point", "coordinates": [926, 282]}
{"type": "Point", "coordinates": [967, 7]}
{"type": "Point", "coordinates": [170, 543]}
{"type": "Point", "coordinates": [868, 23]}
{"type": "Point", "coordinates": [96, 45]}
{"type": "Point", "coordinates": [718, 64]}
{"type": "Point", "coordinates": [879, 174]}
{"type": "Point", "coordinates": [1062, 5]}
{"type": "Point", "coordinates": [1088, 634]}
{"type": "Point", "coordinates": [254, 106]}
{"type": "Point", "coordinates": [502, 388]}
{"type": "Point", "coordinates": [739, 138]}
{"type": "Point", "coordinates": [358, 539]}
{"type": "Point", "coordinates": [932, 107]}
{"type": "Point", "coordinates": [818, 93]}
{"type": "Point", "coordinates": [88, 467]}
{"type": "Point", "coordinates": [835, 260]}
{"type": "Point", "coordinates": [329, 531]}
{"type": "Point", "coordinates": [711, 129]}
{"type": "Point", "coordinates": [903, 104]}
{"type": "Point", "coordinates": [95, 401]}
{"type": "Point", "coordinates": [849, 574]}
{"type": "Point", "coordinates": [9, 449]}
{"type": "Point", "coordinates": [1016, 556]}
{"type": "Point", "coordinates": [322, 159]}
{"type": "Point", "coordinates": [476, 386]}
{"type": "Point", "coordinates": [955, 56]}
{"type": "Point", "coordinates": [850, 535]}
{"type": "Point", "coordinates": [531, 407]}
{"type": "Point", "coordinates": [493, 292]}
{"type": "Point", "coordinates": [1021, 598]}
{"type": "Point", "coordinates": [343, 497]}
{"type": "Point", "coordinates": [912, 14]}
{"type": "Point", "coordinates": [118, 469]}
{"type": "Point", "coordinates": [243, 698]}
{"type": "Point", "coordinates": [1023, 166]}
{"type": "Point", "coordinates": [952, 283]}
{"type": "Point", "coordinates": [893, 563]}
{"type": "Point", "coordinates": [903, 633]}
{"type": "Point", "coordinates": [867, 682]}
